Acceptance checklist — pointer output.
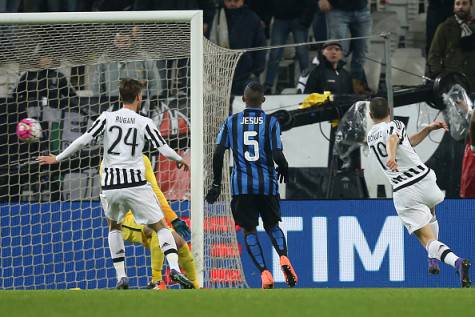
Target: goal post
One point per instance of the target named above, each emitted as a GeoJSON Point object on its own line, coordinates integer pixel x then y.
{"type": "Point", "coordinates": [187, 95]}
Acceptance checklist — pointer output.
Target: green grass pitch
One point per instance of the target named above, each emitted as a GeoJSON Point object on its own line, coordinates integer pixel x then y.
{"type": "Point", "coordinates": [242, 303]}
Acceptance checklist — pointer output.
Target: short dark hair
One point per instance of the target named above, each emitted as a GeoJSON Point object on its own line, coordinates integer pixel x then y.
{"type": "Point", "coordinates": [379, 108]}
{"type": "Point", "coordinates": [129, 89]}
{"type": "Point", "coordinates": [254, 92]}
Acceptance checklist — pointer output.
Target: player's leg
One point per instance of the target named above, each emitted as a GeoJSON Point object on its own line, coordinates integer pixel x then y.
{"type": "Point", "coordinates": [117, 250]}
{"type": "Point", "coordinates": [146, 209]}
{"type": "Point", "coordinates": [438, 250]}
{"type": "Point", "coordinates": [169, 248]}
{"type": "Point", "coordinates": [115, 208]}
{"type": "Point", "coordinates": [156, 258]}
{"type": "Point", "coordinates": [186, 259]}
{"type": "Point", "coordinates": [270, 213]}
{"type": "Point", "coordinates": [433, 263]}
{"type": "Point", "coordinates": [246, 215]}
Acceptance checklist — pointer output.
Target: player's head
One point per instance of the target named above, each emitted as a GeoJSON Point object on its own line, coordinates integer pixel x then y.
{"type": "Point", "coordinates": [253, 95]}
{"type": "Point", "coordinates": [379, 109]}
{"type": "Point", "coordinates": [131, 92]}
{"type": "Point", "coordinates": [462, 8]}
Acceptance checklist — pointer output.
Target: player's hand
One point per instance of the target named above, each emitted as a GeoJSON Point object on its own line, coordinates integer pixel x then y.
{"type": "Point", "coordinates": [182, 229]}
{"type": "Point", "coordinates": [182, 163]}
{"type": "Point", "coordinates": [324, 5]}
{"type": "Point", "coordinates": [50, 159]}
{"type": "Point", "coordinates": [213, 193]}
{"type": "Point", "coordinates": [392, 165]}
{"type": "Point", "coordinates": [438, 125]}
{"type": "Point", "coordinates": [282, 174]}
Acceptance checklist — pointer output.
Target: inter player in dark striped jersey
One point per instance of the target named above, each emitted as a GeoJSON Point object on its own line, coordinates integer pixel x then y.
{"type": "Point", "coordinates": [123, 176]}
{"type": "Point", "coordinates": [254, 139]}
{"type": "Point", "coordinates": [415, 191]}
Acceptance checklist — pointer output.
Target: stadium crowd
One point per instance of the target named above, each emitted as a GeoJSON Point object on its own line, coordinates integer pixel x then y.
{"type": "Point", "coordinates": [336, 66]}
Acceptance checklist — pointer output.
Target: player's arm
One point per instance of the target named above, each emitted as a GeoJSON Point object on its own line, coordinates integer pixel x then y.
{"type": "Point", "coordinates": [218, 158]}
{"type": "Point", "coordinates": [277, 153]}
{"type": "Point", "coordinates": [422, 134]}
{"type": "Point", "coordinates": [94, 131]}
{"type": "Point", "coordinates": [158, 142]}
{"type": "Point", "coordinates": [391, 147]}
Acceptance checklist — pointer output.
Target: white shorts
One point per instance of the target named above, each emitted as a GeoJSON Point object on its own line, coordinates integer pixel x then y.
{"type": "Point", "coordinates": [413, 203]}
{"type": "Point", "coordinates": [140, 199]}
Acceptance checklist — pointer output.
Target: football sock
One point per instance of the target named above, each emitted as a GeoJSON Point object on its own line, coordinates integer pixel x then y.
{"type": "Point", "coordinates": [278, 239]}
{"type": "Point", "coordinates": [157, 257]}
{"type": "Point", "coordinates": [117, 250]}
{"type": "Point", "coordinates": [434, 224]}
{"type": "Point", "coordinates": [187, 262]}
{"type": "Point", "coordinates": [255, 251]}
{"type": "Point", "coordinates": [168, 246]}
{"type": "Point", "coordinates": [438, 250]}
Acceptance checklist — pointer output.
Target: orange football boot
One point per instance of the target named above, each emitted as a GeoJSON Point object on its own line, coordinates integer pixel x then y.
{"type": "Point", "coordinates": [290, 276]}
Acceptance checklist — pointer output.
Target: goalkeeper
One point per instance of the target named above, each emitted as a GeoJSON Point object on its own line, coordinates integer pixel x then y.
{"type": "Point", "coordinates": [135, 233]}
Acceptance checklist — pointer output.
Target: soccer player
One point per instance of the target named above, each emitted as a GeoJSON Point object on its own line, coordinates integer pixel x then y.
{"type": "Point", "coordinates": [415, 191]}
{"type": "Point", "coordinates": [135, 233]}
{"type": "Point", "coordinates": [254, 139]}
{"type": "Point", "coordinates": [123, 184]}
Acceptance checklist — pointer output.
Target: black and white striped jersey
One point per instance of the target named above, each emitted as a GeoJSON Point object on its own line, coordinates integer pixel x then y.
{"type": "Point", "coordinates": [125, 133]}
{"type": "Point", "coordinates": [410, 167]}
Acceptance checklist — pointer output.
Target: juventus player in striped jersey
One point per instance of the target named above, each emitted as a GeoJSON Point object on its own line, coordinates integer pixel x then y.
{"type": "Point", "coordinates": [123, 176]}
{"type": "Point", "coordinates": [415, 191]}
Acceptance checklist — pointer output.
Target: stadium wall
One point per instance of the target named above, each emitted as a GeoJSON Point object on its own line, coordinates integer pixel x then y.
{"type": "Point", "coordinates": [353, 243]}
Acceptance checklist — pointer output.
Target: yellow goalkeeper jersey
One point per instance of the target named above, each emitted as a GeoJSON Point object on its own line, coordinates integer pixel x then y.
{"type": "Point", "coordinates": [170, 215]}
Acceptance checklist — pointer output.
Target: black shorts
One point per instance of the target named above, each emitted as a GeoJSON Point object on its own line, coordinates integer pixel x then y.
{"type": "Point", "coordinates": [247, 208]}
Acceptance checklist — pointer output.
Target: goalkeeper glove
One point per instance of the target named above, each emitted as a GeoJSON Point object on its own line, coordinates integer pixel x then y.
{"type": "Point", "coordinates": [213, 193]}
{"type": "Point", "coordinates": [282, 174]}
{"type": "Point", "coordinates": [182, 229]}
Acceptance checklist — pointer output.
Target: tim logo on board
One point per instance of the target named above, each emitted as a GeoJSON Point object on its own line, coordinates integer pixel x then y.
{"type": "Point", "coordinates": [361, 243]}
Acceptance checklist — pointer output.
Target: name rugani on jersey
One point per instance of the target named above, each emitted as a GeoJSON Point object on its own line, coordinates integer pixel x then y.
{"type": "Point", "coordinates": [410, 167]}
{"type": "Point", "coordinates": [125, 133]}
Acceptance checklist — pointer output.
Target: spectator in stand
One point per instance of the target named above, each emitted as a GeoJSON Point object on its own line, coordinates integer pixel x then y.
{"type": "Point", "coordinates": [350, 19]}
{"type": "Point", "coordinates": [467, 181]}
{"type": "Point", "coordinates": [330, 75]}
{"type": "Point", "coordinates": [289, 16]}
{"type": "Point", "coordinates": [206, 5]}
{"type": "Point", "coordinates": [453, 46]}
{"type": "Point", "coordinates": [236, 26]}
{"type": "Point", "coordinates": [179, 84]}
{"type": "Point", "coordinates": [106, 77]}
{"type": "Point", "coordinates": [437, 12]}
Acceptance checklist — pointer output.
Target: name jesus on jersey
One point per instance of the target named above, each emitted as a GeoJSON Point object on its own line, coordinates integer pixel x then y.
{"type": "Point", "coordinates": [252, 135]}
{"type": "Point", "coordinates": [410, 167]}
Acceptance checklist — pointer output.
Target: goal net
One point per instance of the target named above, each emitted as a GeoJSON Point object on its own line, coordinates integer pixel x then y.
{"type": "Point", "coordinates": [63, 69]}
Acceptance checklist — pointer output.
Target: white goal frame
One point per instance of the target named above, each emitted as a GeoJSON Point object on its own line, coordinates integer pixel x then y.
{"type": "Point", "coordinates": [195, 18]}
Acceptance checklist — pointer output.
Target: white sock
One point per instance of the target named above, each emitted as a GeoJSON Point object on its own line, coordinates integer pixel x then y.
{"type": "Point", "coordinates": [168, 246]}
{"type": "Point", "coordinates": [438, 250]}
{"type": "Point", "coordinates": [117, 249]}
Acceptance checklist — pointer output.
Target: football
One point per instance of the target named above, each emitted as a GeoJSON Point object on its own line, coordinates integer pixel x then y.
{"type": "Point", "coordinates": [28, 130]}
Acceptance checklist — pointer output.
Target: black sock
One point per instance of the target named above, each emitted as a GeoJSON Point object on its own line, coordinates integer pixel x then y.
{"type": "Point", "coordinates": [255, 250]}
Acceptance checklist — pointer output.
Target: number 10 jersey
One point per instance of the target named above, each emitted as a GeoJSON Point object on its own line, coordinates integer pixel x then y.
{"type": "Point", "coordinates": [410, 167]}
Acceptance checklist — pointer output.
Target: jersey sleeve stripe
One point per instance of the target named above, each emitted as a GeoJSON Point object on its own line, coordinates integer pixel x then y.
{"type": "Point", "coordinates": [100, 129]}
{"type": "Point", "coordinates": [157, 134]}
{"type": "Point", "coordinates": [151, 137]}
